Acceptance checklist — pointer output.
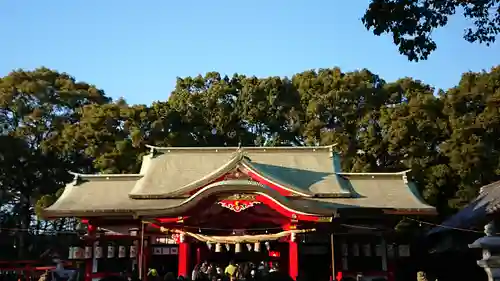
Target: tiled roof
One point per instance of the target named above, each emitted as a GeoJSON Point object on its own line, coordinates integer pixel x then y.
{"type": "Point", "coordinates": [312, 173]}
{"type": "Point", "coordinates": [307, 170]}
{"type": "Point", "coordinates": [476, 213]}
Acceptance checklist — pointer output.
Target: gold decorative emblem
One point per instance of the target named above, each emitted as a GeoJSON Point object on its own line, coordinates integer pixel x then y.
{"type": "Point", "coordinates": [239, 202]}
{"type": "Point", "coordinates": [325, 219]}
{"type": "Point", "coordinates": [242, 196]}
{"type": "Point", "coordinates": [235, 174]}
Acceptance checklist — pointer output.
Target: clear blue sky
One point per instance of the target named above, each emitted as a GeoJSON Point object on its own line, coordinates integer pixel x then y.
{"type": "Point", "coordinates": [136, 49]}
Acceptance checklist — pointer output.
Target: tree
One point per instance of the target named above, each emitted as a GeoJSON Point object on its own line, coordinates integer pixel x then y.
{"type": "Point", "coordinates": [206, 111]}
{"type": "Point", "coordinates": [473, 146]}
{"type": "Point", "coordinates": [343, 109]}
{"type": "Point", "coordinates": [34, 108]}
{"type": "Point", "coordinates": [411, 22]}
{"type": "Point", "coordinates": [112, 135]}
{"type": "Point", "coordinates": [414, 126]}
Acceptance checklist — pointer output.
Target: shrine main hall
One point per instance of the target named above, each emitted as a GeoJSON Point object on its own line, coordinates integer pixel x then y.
{"type": "Point", "coordinates": [288, 206]}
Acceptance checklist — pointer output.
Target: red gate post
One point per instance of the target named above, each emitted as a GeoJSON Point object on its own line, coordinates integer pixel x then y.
{"type": "Point", "coordinates": [293, 266]}
{"type": "Point", "coordinates": [184, 257]}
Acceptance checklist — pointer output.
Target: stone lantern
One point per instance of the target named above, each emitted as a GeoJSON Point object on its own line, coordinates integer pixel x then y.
{"type": "Point", "coordinates": [490, 245]}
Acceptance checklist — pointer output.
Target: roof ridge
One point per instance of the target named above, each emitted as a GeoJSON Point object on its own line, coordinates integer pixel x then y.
{"type": "Point", "coordinates": [90, 177]}
{"type": "Point", "coordinates": [269, 177]}
{"type": "Point", "coordinates": [225, 168]}
{"type": "Point", "coordinates": [242, 148]}
{"type": "Point", "coordinates": [400, 173]}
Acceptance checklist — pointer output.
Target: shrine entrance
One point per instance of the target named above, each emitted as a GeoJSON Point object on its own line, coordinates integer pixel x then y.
{"type": "Point", "coordinates": [244, 228]}
{"type": "Point", "coordinates": [164, 263]}
{"type": "Point", "coordinates": [208, 198]}
{"type": "Point", "coordinates": [276, 255]}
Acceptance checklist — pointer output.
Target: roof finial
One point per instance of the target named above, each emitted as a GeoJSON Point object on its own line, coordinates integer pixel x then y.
{"type": "Point", "coordinates": [240, 149]}
{"type": "Point", "coordinates": [76, 178]}
{"type": "Point", "coordinates": [152, 151]}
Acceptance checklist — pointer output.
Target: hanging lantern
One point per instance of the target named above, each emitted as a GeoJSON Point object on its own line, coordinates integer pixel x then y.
{"type": "Point", "coordinates": [71, 253]}
{"type": "Point", "coordinates": [256, 247]}
{"type": "Point", "coordinates": [293, 236]}
{"type": "Point", "coordinates": [345, 250]}
{"type": "Point", "coordinates": [75, 252]}
{"type": "Point", "coordinates": [209, 245]}
{"type": "Point", "coordinates": [228, 247]}
{"type": "Point", "coordinates": [249, 247]}
{"type": "Point", "coordinates": [218, 247]}
{"type": "Point", "coordinates": [88, 252]}
{"type": "Point", "coordinates": [268, 245]}
{"type": "Point", "coordinates": [133, 232]}
{"type": "Point", "coordinates": [237, 248]}
{"type": "Point", "coordinates": [78, 253]}
{"type": "Point", "coordinates": [367, 250]}
{"type": "Point", "coordinates": [111, 252]}
{"type": "Point", "coordinates": [98, 252]}
{"type": "Point", "coordinates": [122, 252]}
{"type": "Point", "coordinates": [133, 251]}
{"type": "Point", "coordinates": [355, 249]}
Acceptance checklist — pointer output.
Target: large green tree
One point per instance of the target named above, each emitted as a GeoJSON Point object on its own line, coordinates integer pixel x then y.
{"type": "Point", "coordinates": [35, 106]}
{"type": "Point", "coordinates": [473, 146]}
{"type": "Point", "coordinates": [411, 22]}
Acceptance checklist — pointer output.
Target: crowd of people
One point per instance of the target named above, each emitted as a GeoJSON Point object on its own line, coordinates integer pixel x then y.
{"type": "Point", "coordinates": [246, 271]}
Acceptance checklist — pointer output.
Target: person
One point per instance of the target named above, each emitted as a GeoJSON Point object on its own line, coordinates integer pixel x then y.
{"type": "Point", "coordinates": [169, 277]}
{"type": "Point", "coordinates": [263, 269]}
{"type": "Point", "coordinates": [219, 271]}
{"type": "Point", "coordinates": [239, 272]}
{"type": "Point", "coordinates": [153, 273]}
{"type": "Point", "coordinates": [195, 274]}
{"type": "Point", "coordinates": [274, 267]}
{"type": "Point", "coordinates": [277, 276]}
{"type": "Point", "coordinates": [113, 278]}
{"type": "Point", "coordinates": [231, 270]}
{"type": "Point", "coordinates": [211, 271]}
{"type": "Point", "coordinates": [44, 276]}
{"type": "Point", "coordinates": [134, 276]}
{"type": "Point", "coordinates": [204, 269]}
{"type": "Point", "coordinates": [253, 275]}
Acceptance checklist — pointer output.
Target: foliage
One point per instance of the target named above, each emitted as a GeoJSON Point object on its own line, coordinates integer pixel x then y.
{"type": "Point", "coordinates": [35, 106]}
{"type": "Point", "coordinates": [411, 22]}
{"type": "Point", "coordinates": [52, 124]}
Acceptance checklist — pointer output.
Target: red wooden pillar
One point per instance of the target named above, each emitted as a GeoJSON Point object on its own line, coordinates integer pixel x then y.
{"type": "Point", "coordinates": [293, 259]}
{"type": "Point", "coordinates": [198, 254]}
{"type": "Point", "coordinates": [89, 263]}
{"type": "Point", "coordinates": [184, 257]}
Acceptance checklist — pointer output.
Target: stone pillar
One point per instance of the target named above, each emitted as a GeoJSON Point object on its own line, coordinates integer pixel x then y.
{"type": "Point", "coordinates": [490, 245]}
{"type": "Point", "coordinates": [184, 259]}
{"type": "Point", "coordinates": [293, 257]}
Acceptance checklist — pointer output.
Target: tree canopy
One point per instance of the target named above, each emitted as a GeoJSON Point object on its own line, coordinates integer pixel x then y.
{"type": "Point", "coordinates": [411, 22]}
{"type": "Point", "coordinates": [51, 123]}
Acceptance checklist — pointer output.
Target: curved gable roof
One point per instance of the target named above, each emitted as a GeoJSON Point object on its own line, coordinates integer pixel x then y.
{"type": "Point", "coordinates": [99, 195]}
{"type": "Point", "coordinates": [302, 171]}
{"type": "Point", "coordinates": [243, 186]}
{"type": "Point", "coordinates": [174, 175]}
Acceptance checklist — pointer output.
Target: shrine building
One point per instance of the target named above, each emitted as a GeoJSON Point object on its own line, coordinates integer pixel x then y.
{"type": "Point", "coordinates": [291, 207]}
